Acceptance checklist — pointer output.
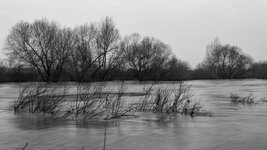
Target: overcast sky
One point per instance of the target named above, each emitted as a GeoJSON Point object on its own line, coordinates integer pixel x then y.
{"type": "Point", "coordinates": [186, 25]}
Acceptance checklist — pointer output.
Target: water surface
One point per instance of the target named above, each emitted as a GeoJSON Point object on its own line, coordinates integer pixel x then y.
{"type": "Point", "coordinates": [236, 127]}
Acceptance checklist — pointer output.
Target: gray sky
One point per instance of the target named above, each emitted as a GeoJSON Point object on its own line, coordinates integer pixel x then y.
{"type": "Point", "coordinates": [186, 25]}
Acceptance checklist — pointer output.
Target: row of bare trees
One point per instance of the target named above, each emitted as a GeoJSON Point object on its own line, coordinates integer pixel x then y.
{"type": "Point", "coordinates": [90, 51]}
{"type": "Point", "coordinates": [50, 49]}
{"type": "Point", "coordinates": [97, 51]}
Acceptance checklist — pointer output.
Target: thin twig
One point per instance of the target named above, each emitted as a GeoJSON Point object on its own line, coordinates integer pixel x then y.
{"type": "Point", "coordinates": [25, 146]}
{"type": "Point", "coordinates": [105, 135]}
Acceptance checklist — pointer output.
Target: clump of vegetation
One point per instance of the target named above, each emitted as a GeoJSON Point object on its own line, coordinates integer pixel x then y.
{"type": "Point", "coordinates": [246, 100]}
{"type": "Point", "coordinates": [40, 98]}
{"type": "Point", "coordinates": [91, 101]}
{"type": "Point", "coordinates": [86, 103]}
{"type": "Point", "coordinates": [177, 100]}
{"type": "Point", "coordinates": [117, 106]}
{"type": "Point", "coordinates": [263, 99]}
{"type": "Point", "coordinates": [145, 102]}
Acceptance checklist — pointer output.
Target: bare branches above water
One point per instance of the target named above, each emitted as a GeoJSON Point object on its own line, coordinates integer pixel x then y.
{"type": "Point", "coordinates": [92, 100]}
{"type": "Point", "coordinates": [89, 101]}
{"type": "Point", "coordinates": [246, 100]}
{"type": "Point", "coordinates": [117, 106]}
{"type": "Point", "coordinates": [40, 98]}
{"type": "Point", "coordinates": [172, 100]}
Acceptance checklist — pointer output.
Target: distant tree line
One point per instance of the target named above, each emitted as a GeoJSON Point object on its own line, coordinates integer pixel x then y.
{"type": "Point", "coordinates": [45, 51]}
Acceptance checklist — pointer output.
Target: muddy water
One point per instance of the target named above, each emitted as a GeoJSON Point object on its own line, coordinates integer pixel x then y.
{"type": "Point", "coordinates": [235, 127]}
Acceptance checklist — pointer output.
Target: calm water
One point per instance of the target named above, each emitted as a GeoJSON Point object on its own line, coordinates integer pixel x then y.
{"type": "Point", "coordinates": [233, 127]}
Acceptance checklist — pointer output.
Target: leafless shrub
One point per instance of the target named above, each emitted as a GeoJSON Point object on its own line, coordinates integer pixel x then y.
{"type": "Point", "coordinates": [196, 109]}
{"type": "Point", "coordinates": [182, 98]}
{"type": "Point", "coordinates": [167, 100]}
{"type": "Point", "coordinates": [145, 102]}
{"type": "Point", "coordinates": [91, 98]}
{"type": "Point", "coordinates": [88, 102]}
{"type": "Point", "coordinates": [116, 106]}
{"type": "Point", "coordinates": [40, 98]}
{"type": "Point", "coordinates": [91, 101]}
{"type": "Point", "coordinates": [162, 100]}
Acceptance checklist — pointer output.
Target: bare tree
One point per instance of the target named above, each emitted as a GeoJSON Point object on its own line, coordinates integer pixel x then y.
{"type": "Point", "coordinates": [97, 50]}
{"type": "Point", "coordinates": [42, 45]}
{"type": "Point", "coordinates": [63, 45]}
{"type": "Point", "coordinates": [108, 46]}
{"type": "Point", "coordinates": [83, 56]}
{"type": "Point", "coordinates": [144, 55]}
{"type": "Point", "coordinates": [227, 61]}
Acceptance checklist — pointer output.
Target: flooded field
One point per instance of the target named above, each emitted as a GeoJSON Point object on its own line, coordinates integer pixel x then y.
{"type": "Point", "coordinates": [232, 126]}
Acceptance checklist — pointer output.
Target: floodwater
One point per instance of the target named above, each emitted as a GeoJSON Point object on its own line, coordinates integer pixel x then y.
{"type": "Point", "coordinates": [232, 127]}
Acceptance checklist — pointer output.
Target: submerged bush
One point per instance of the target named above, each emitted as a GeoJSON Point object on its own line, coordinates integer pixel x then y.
{"type": "Point", "coordinates": [242, 100]}
{"type": "Point", "coordinates": [117, 106]}
{"type": "Point", "coordinates": [40, 98]}
{"type": "Point", "coordinates": [246, 100]}
{"type": "Point", "coordinates": [91, 101]}
{"type": "Point", "coordinates": [167, 100]}
{"type": "Point", "coordinates": [87, 102]}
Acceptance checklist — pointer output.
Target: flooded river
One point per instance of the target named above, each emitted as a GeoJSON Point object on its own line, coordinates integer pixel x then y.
{"type": "Point", "coordinates": [232, 127]}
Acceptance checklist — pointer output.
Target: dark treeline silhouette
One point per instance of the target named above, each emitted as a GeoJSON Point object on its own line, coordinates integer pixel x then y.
{"type": "Point", "coordinates": [45, 51]}
{"type": "Point", "coordinates": [224, 61]}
